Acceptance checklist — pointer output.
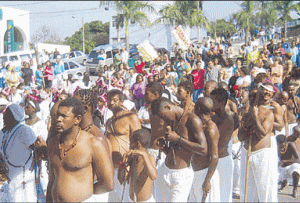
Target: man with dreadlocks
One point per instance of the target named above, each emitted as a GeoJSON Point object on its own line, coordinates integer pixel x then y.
{"type": "Point", "coordinates": [89, 99]}
{"type": "Point", "coordinates": [293, 109]}
{"type": "Point", "coordinates": [118, 130]}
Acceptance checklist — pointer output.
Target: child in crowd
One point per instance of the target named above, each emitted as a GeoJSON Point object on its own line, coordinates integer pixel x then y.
{"type": "Point", "coordinates": [142, 168]}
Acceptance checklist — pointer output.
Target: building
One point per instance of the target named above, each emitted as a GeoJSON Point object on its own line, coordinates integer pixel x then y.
{"type": "Point", "coordinates": [159, 35]}
{"type": "Point", "coordinates": [14, 30]}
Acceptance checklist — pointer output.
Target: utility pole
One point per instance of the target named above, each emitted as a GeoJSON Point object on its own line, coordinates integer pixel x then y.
{"type": "Point", "coordinates": [83, 36]}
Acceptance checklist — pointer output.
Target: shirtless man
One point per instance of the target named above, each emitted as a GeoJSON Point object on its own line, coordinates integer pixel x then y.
{"type": "Point", "coordinates": [258, 123]}
{"type": "Point", "coordinates": [293, 109]}
{"type": "Point", "coordinates": [209, 87]}
{"type": "Point", "coordinates": [289, 164]}
{"type": "Point", "coordinates": [185, 90]}
{"type": "Point", "coordinates": [158, 126]}
{"type": "Point", "coordinates": [206, 182]}
{"type": "Point", "coordinates": [89, 100]}
{"type": "Point", "coordinates": [231, 107]}
{"type": "Point", "coordinates": [118, 131]}
{"type": "Point", "coordinates": [183, 137]}
{"type": "Point", "coordinates": [282, 99]}
{"type": "Point", "coordinates": [142, 167]}
{"type": "Point", "coordinates": [74, 156]}
{"type": "Point", "coordinates": [225, 125]}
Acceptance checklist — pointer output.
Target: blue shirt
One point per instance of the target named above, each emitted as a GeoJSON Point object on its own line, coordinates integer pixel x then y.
{"type": "Point", "coordinates": [38, 74]}
{"type": "Point", "coordinates": [298, 60]}
{"type": "Point", "coordinates": [59, 68]}
{"type": "Point", "coordinates": [286, 46]}
{"type": "Point", "coordinates": [298, 46]}
{"type": "Point", "coordinates": [294, 52]}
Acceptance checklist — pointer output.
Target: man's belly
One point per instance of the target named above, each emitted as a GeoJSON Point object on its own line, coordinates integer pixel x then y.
{"type": "Point", "coordinates": [73, 188]}
{"type": "Point", "coordinates": [119, 145]}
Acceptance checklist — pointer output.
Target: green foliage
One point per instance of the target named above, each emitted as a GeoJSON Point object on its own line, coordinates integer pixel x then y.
{"type": "Point", "coordinates": [223, 26]}
{"type": "Point", "coordinates": [95, 33]}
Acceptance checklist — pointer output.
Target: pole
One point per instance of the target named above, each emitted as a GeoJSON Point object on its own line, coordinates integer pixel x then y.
{"type": "Point", "coordinates": [83, 36]}
{"type": "Point", "coordinates": [247, 169]}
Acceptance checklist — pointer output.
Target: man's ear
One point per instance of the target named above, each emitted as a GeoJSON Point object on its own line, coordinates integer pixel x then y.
{"type": "Point", "coordinates": [78, 119]}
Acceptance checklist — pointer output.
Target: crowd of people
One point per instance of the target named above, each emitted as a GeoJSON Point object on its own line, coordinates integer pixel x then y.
{"type": "Point", "coordinates": [204, 124]}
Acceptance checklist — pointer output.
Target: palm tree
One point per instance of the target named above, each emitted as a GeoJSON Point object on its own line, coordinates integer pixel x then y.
{"type": "Point", "coordinates": [245, 16]}
{"type": "Point", "coordinates": [185, 13]}
{"type": "Point", "coordinates": [131, 11]}
{"type": "Point", "coordinates": [284, 8]}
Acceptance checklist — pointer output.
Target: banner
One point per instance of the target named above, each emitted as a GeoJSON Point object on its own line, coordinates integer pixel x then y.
{"type": "Point", "coordinates": [10, 36]}
{"type": "Point", "coordinates": [182, 38]}
{"type": "Point", "coordinates": [147, 51]}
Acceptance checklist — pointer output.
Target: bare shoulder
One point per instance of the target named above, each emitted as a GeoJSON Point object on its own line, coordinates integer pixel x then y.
{"type": "Point", "coordinates": [276, 105]}
{"type": "Point", "coordinates": [193, 118]}
{"type": "Point", "coordinates": [213, 131]}
{"type": "Point", "coordinates": [96, 132]}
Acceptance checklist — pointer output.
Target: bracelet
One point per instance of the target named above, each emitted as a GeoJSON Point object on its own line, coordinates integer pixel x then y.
{"type": "Point", "coordinates": [179, 142]}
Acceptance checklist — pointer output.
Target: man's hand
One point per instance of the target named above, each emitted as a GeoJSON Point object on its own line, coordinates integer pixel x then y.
{"type": "Point", "coordinates": [40, 142]}
{"type": "Point", "coordinates": [171, 135]}
{"type": "Point", "coordinates": [206, 187]}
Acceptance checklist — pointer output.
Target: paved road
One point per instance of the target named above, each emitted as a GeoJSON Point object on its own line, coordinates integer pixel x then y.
{"type": "Point", "coordinates": [284, 196]}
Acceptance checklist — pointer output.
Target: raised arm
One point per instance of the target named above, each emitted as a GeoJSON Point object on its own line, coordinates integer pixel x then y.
{"type": "Point", "coordinates": [213, 141]}
{"type": "Point", "coordinates": [102, 166]}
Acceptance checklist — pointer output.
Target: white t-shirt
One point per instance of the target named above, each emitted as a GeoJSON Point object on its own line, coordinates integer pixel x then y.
{"type": "Point", "coordinates": [241, 80]}
{"type": "Point", "coordinates": [144, 114]}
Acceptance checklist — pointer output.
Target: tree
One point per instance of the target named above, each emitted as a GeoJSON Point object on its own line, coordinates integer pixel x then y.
{"type": "Point", "coordinates": [224, 26]}
{"type": "Point", "coordinates": [284, 8]}
{"type": "Point", "coordinates": [46, 35]}
{"type": "Point", "coordinates": [268, 14]}
{"type": "Point", "coordinates": [185, 13]}
{"type": "Point", "coordinates": [132, 11]}
{"type": "Point", "coordinates": [245, 16]}
{"type": "Point", "coordinates": [95, 32]}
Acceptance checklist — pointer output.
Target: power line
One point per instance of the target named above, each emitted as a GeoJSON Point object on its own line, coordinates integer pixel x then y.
{"type": "Point", "coordinates": [25, 4]}
{"type": "Point", "coordinates": [88, 9]}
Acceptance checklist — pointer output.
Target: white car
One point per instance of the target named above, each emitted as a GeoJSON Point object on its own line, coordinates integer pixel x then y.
{"type": "Point", "coordinates": [72, 67]}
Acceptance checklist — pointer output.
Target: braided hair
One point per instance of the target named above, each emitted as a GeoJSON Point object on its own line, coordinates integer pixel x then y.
{"type": "Point", "coordinates": [88, 97]}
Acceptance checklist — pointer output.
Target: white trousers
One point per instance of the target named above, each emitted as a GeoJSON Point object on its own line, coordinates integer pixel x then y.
{"type": "Point", "coordinates": [225, 168]}
{"type": "Point", "coordinates": [117, 193]}
{"type": "Point", "coordinates": [197, 191]}
{"type": "Point", "coordinates": [174, 185]}
{"type": "Point", "coordinates": [155, 153]}
{"type": "Point", "coordinates": [287, 172]}
{"type": "Point", "coordinates": [149, 200]}
{"type": "Point", "coordinates": [236, 149]}
{"type": "Point", "coordinates": [101, 197]}
{"type": "Point", "coordinates": [261, 184]}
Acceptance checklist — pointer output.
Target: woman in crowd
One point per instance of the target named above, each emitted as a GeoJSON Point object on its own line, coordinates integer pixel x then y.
{"type": "Point", "coordinates": [244, 80]}
{"type": "Point", "coordinates": [39, 76]}
{"type": "Point", "coordinates": [279, 51]}
{"type": "Point", "coordinates": [288, 65]}
{"type": "Point", "coordinates": [86, 81]}
{"type": "Point", "coordinates": [122, 71]}
{"type": "Point", "coordinates": [138, 91]}
{"type": "Point", "coordinates": [48, 74]}
{"type": "Point", "coordinates": [230, 50]}
{"type": "Point", "coordinates": [276, 73]}
{"type": "Point", "coordinates": [39, 127]}
{"type": "Point", "coordinates": [116, 82]}
{"type": "Point", "coordinates": [13, 78]}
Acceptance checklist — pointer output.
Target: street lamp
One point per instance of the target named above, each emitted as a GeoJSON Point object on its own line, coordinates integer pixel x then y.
{"type": "Point", "coordinates": [82, 33]}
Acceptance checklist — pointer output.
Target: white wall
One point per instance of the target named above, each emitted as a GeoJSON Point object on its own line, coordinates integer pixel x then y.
{"type": "Point", "coordinates": [20, 19]}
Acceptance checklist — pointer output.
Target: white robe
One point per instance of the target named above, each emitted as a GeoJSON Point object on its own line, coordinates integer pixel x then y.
{"type": "Point", "coordinates": [225, 169]}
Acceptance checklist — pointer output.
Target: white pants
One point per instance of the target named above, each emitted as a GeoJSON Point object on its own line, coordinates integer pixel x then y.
{"type": "Point", "coordinates": [291, 128]}
{"type": "Point", "coordinates": [116, 194]}
{"type": "Point", "coordinates": [197, 191]}
{"type": "Point", "coordinates": [287, 172]}
{"type": "Point", "coordinates": [282, 132]}
{"type": "Point", "coordinates": [261, 184]}
{"type": "Point", "coordinates": [149, 200]}
{"type": "Point", "coordinates": [225, 168]}
{"type": "Point", "coordinates": [101, 197]}
{"type": "Point", "coordinates": [91, 199]}
{"type": "Point", "coordinates": [155, 152]}
{"type": "Point", "coordinates": [236, 149]}
{"type": "Point", "coordinates": [174, 185]}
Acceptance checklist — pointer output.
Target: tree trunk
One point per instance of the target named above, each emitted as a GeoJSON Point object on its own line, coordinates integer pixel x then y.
{"type": "Point", "coordinates": [246, 34]}
{"type": "Point", "coordinates": [198, 31]}
{"type": "Point", "coordinates": [216, 32]}
{"type": "Point", "coordinates": [285, 27]}
{"type": "Point", "coordinates": [127, 35]}
{"type": "Point", "coordinates": [118, 28]}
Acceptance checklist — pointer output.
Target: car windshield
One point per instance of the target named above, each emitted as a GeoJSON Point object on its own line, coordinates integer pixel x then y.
{"type": "Point", "coordinates": [25, 57]}
{"type": "Point", "coordinates": [64, 56]}
{"type": "Point", "coordinates": [3, 58]}
{"type": "Point", "coordinates": [93, 54]}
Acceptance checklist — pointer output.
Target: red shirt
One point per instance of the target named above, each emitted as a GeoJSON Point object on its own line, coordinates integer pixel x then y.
{"type": "Point", "coordinates": [139, 68]}
{"type": "Point", "coordinates": [198, 78]}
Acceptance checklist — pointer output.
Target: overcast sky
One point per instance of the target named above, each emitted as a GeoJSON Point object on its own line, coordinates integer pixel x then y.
{"type": "Point", "coordinates": [58, 14]}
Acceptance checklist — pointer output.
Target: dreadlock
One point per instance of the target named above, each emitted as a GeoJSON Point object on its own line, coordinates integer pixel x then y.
{"type": "Point", "coordinates": [88, 97]}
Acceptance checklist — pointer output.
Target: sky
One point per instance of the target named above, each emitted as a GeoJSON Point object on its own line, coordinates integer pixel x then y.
{"type": "Point", "coordinates": [65, 17]}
